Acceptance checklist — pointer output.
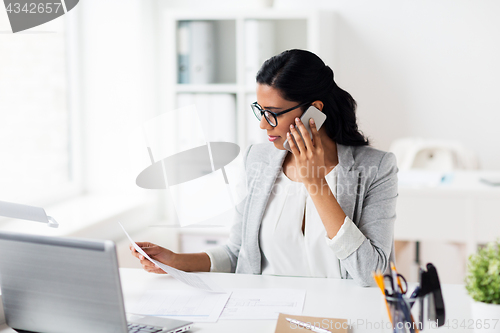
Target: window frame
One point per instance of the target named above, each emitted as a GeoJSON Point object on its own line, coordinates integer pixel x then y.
{"type": "Point", "coordinates": [75, 186]}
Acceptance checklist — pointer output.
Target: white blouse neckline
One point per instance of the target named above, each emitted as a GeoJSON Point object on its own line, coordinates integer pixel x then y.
{"type": "Point", "coordinates": [330, 176]}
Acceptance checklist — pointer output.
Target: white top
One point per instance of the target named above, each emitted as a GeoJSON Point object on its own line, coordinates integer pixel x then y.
{"type": "Point", "coordinates": [288, 251]}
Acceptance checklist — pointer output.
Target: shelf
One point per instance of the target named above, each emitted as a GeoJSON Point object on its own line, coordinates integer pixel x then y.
{"type": "Point", "coordinates": [273, 14]}
{"type": "Point", "coordinates": [207, 88]}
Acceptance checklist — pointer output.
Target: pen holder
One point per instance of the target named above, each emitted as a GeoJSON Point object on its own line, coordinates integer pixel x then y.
{"type": "Point", "coordinates": [399, 308]}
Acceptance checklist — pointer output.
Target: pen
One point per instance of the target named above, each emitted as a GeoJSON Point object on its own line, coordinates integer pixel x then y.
{"type": "Point", "coordinates": [379, 279]}
{"type": "Point", "coordinates": [395, 279]}
{"type": "Point", "coordinates": [308, 326]}
{"type": "Point", "coordinates": [415, 293]}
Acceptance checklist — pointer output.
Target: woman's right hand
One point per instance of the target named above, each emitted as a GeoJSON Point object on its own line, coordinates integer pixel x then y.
{"type": "Point", "coordinates": [156, 252]}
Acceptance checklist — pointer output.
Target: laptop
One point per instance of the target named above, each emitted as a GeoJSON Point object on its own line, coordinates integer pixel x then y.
{"type": "Point", "coordinates": [67, 285]}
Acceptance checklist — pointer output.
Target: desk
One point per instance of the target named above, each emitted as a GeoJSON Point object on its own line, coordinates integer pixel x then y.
{"type": "Point", "coordinates": [325, 297]}
{"type": "Point", "coordinates": [464, 210]}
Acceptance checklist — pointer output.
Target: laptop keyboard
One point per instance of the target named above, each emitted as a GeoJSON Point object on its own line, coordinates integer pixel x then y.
{"type": "Point", "coordinates": [137, 328]}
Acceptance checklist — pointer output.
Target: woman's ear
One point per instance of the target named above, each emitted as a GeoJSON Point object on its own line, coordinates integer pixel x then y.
{"type": "Point", "coordinates": [318, 105]}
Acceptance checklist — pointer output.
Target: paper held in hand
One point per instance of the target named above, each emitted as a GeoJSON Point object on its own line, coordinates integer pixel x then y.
{"type": "Point", "coordinates": [192, 279]}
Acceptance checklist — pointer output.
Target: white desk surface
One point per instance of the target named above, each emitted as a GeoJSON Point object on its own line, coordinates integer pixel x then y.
{"type": "Point", "coordinates": [463, 210]}
{"type": "Point", "coordinates": [331, 298]}
{"type": "Point", "coordinates": [460, 181]}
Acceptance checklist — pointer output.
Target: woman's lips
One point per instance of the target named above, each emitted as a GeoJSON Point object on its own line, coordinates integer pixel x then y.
{"type": "Point", "coordinates": [272, 137]}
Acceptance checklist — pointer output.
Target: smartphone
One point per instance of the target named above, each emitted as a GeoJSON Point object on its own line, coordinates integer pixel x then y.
{"type": "Point", "coordinates": [312, 112]}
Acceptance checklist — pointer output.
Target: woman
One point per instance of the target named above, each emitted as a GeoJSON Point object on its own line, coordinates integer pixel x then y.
{"type": "Point", "coordinates": [325, 209]}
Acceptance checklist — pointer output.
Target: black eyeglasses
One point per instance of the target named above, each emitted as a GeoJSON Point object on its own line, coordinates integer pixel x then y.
{"type": "Point", "coordinates": [271, 117]}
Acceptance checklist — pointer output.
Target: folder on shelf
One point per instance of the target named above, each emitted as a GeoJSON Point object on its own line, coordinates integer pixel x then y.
{"type": "Point", "coordinates": [201, 52]}
{"type": "Point", "coordinates": [217, 114]}
{"type": "Point", "coordinates": [222, 118]}
{"type": "Point", "coordinates": [259, 46]}
{"type": "Point", "coordinates": [185, 99]}
{"type": "Point", "coordinates": [202, 103]}
{"type": "Point", "coordinates": [196, 52]}
{"type": "Point", "coordinates": [183, 51]}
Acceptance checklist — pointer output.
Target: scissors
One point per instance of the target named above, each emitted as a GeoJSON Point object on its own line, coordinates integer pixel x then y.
{"type": "Point", "coordinates": [395, 287]}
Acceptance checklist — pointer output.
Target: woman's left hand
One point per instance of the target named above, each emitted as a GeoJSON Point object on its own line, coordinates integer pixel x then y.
{"type": "Point", "coordinates": [309, 154]}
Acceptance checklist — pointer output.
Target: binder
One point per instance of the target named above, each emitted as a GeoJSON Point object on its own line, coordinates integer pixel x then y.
{"type": "Point", "coordinates": [217, 114]}
{"type": "Point", "coordinates": [183, 39]}
{"type": "Point", "coordinates": [196, 52]}
{"type": "Point", "coordinates": [203, 107]}
{"type": "Point", "coordinates": [201, 52]}
{"type": "Point", "coordinates": [259, 46]}
{"type": "Point", "coordinates": [222, 118]}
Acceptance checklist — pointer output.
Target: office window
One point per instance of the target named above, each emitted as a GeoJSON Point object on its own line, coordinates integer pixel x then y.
{"type": "Point", "coordinates": [36, 150]}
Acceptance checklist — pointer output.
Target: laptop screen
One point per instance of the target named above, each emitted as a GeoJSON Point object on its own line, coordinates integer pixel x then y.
{"type": "Point", "coordinates": [65, 285]}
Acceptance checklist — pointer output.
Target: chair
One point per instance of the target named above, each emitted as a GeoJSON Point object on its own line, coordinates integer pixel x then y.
{"type": "Point", "coordinates": [436, 155]}
{"type": "Point", "coordinates": [413, 153]}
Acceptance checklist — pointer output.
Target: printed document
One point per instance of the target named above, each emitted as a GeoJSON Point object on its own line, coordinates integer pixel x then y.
{"type": "Point", "coordinates": [263, 303]}
{"type": "Point", "coordinates": [191, 279]}
{"type": "Point", "coordinates": [192, 305]}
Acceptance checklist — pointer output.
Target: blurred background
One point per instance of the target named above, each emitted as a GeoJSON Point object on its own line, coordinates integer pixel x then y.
{"type": "Point", "coordinates": [78, 96]}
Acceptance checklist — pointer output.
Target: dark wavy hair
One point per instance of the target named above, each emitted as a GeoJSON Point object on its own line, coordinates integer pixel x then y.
{"type": "Point", "coordinates": [302, 77]}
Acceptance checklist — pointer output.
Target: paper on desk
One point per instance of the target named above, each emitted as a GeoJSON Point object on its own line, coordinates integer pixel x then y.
{"type": "Point", "coordinates": [191, 279]}
{"type": "Point", "coordinates": [192, 305]}
{"type": "Point", "coordinates": [263, 303]}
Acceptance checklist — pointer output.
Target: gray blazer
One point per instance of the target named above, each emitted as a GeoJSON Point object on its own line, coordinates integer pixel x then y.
{"type": "Point", "coordinates": [367, 189]}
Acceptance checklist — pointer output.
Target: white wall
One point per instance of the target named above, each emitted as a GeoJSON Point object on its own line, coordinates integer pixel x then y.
{"type": "Point", "coordinates": [118, 92]}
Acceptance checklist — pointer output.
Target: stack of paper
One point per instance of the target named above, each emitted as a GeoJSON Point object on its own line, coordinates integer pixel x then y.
{"type": "Point", "coordinates": [193, 305]}
{"type": "Point", "coordinates": [263, 303]}
{"type": "Point", "coordinates": [202, 306]}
